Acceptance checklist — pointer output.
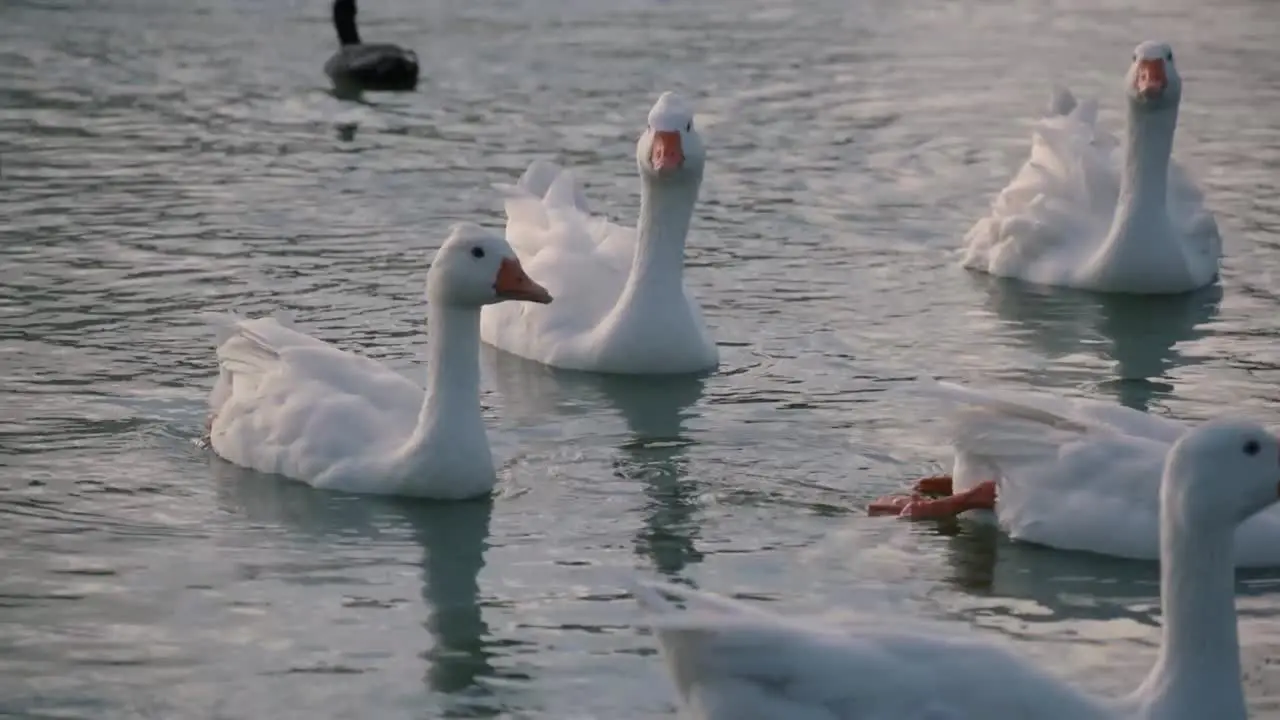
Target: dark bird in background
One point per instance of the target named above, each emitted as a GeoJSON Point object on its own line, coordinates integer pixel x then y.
{"type": "Point", "coordinates": [367, 66]}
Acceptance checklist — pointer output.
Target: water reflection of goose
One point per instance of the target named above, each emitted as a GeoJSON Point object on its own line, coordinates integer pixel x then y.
{"type": "Point", "coordinates": [654, 410]}
{"type": "Point", "coordinates": [1052, 586]}
{"type": "Point", "coordinates": [1144, 332]}
{"type": "Point", "coordinates": [453, 537]}
{"type": "Point", "coordinates": [454, 540]}
{"type": "Point", "coordinates": [1139, 334]}
{"type": "Point", "coordinates": [1061, 585]}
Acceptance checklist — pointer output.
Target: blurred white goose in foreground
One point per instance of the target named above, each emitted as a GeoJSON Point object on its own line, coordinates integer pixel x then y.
{"type": "Point", "coordinates": [622, 306]}
{"type": "Point", "coordinates": [1088, 212]}
{"type": "Point", "coordinates": [730, 661]}
{"type": "Point", "coordinates": [1073, 474]}
{"type": "Point", "coordinates": [367, 66]}
{"type": "Point", "coordinates": [290, 404]}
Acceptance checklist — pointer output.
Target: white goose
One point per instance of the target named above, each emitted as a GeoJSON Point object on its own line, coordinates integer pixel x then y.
{"type": "Point", "coordinates": [1074, 474]}
{"type": "Point", "coordinates": [1088, 212]}
{"type": "Point", "coordinates": [622, 304]}
{"type": "Point", "coordinates": [731, 661]}
{"type": "Point", "coordinates": [289, 404]}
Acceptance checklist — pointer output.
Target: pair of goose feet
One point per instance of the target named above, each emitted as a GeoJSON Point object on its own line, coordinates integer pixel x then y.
{"type": "Point", "coordinates": [933, 498]}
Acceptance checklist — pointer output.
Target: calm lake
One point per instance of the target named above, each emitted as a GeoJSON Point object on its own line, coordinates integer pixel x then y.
{"type": "Point", "coordinates": [163, 159]}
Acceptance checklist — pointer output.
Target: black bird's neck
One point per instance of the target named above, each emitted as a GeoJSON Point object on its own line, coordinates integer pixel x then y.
{"type": "Point", "coordinates": [344, 19]}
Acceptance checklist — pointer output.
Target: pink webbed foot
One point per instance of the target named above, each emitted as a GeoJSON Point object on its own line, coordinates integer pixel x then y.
{"type": "Point", "coordinates": [933, 485]}
{"type": "Point", "coordinates": [919, 507]}
{"type": "Point", "coordinates": [980, 497]}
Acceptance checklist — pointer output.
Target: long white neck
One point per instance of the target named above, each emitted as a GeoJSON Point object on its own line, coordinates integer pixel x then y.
{"type": "Point", "coordinates": [453, 370]}
{"type": "Point", "coordinates": [1144, 185]}
{"type": "Point", "coordinates": [1198, 669]}
{"type": "Point", "coordinates": [1143, 252]}
{"type": "Point", "coordinates": [657, 271]}
{"type": "Point", "coordinates": [450, 419]}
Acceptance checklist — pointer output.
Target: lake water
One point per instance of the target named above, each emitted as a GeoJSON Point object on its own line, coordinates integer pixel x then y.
{"type": "Point", "coordinates": [162, 159]}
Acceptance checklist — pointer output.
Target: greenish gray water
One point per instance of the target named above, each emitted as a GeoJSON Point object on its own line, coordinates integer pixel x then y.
{"type": "Point", "coordinates": [158, 160]}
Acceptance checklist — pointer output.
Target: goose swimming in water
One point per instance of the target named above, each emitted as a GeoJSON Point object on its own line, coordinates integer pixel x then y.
{"type": "Point", "coordinates": [289, 404]}
{"type": "Point", "coordinates": [1103, 214]}
{"type": "Point", "coordinates": [732, 661]}
{"type": "Point", "coordinates": [367, 66]}
{"type": "Point", "coordinates": [627, 310]}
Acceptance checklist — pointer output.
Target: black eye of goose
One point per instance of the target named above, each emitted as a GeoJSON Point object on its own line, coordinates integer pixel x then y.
{"type": "Point", "coordinates": [689, 127]}
{"type": "Point", "coordinates": [1169, 56]}
{"type": "Point", "coordinates": [477, 252]}
{"type": "Point", "coordinates": [1252, 447]}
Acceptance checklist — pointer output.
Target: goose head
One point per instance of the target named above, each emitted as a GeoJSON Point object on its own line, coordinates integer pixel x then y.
{"type": "Point", "coordinates": [1153, 81]}
{"type": "Point", "coordinates": [670, 148]}
{"type": "Point", "coordinates": [475, 267]}
{"type": "Point", "coordinates": [1221, 473]}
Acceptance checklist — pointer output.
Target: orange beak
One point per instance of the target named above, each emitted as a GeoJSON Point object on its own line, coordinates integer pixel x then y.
{"type": "Point", "coordinates": [1151, 79]}
{"type": "Point", "coordinates": [513, 284]}
{"type": "Point", "coordinates": [666, 153]}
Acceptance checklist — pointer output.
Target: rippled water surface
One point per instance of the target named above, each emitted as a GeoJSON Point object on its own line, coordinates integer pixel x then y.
{"type": "Point", "coordinates": [161, 159]}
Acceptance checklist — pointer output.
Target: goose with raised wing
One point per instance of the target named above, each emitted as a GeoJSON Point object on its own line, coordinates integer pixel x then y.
{"type": "Point", "coordinates": [1069, 473]}
{"type": "Point", "coordinates": [1093, 213]}
{"type": "Point", "coordinates": [733, 661]}
{"type": "Point", "coordinates": [289, 404]}
{"type": "Point", "coordinates": [621, 302]}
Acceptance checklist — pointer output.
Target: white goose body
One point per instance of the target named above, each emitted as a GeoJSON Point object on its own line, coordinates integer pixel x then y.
{"type": "Point", "coordinates": [1089, 212]}
{"type": "Point", "coordinates": [1076, 474]}
{"type": "Point", "coordinates": [286, 403]}
{"type": "Point", "coordinates": [622, 305]}
{"type": "Point", "coordinates": [730, 661]}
